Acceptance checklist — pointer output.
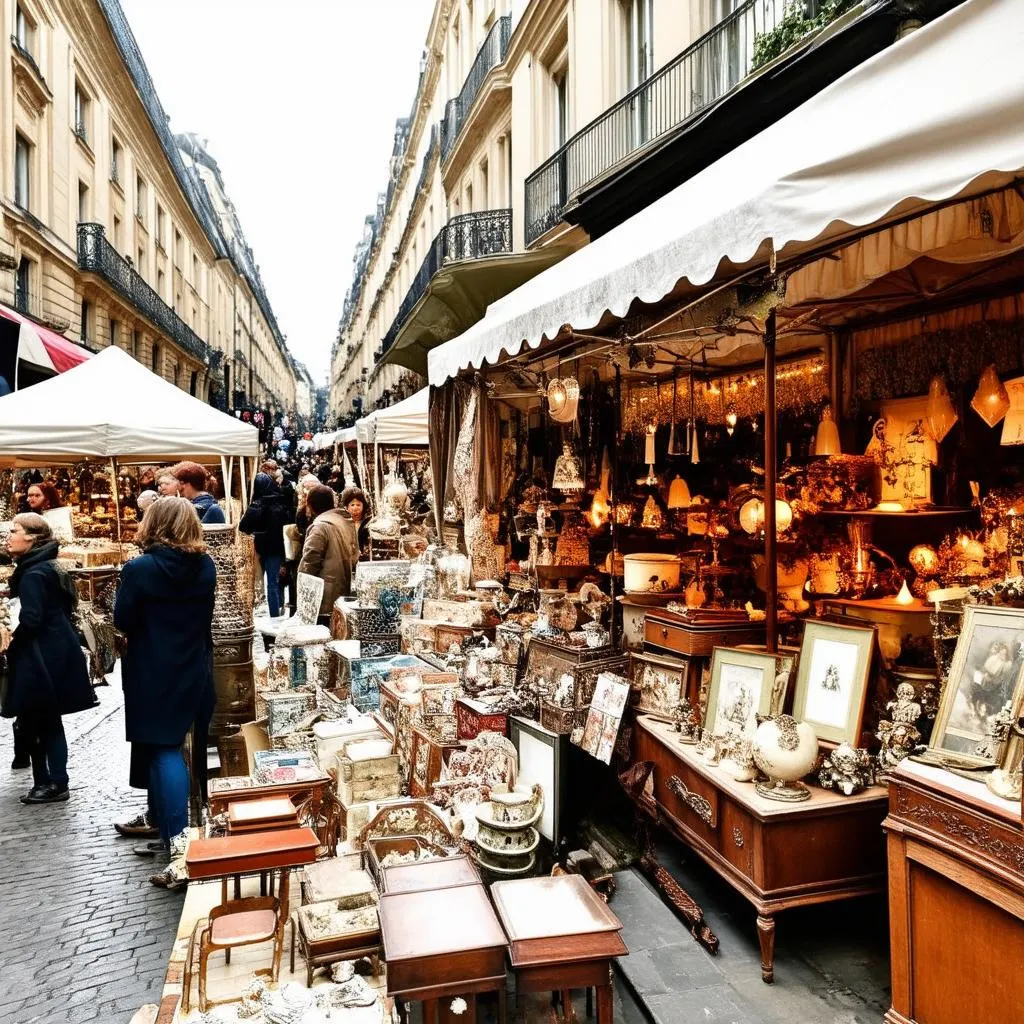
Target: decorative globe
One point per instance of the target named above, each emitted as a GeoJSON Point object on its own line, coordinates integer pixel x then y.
{"type": "Point", "coordinates": [785, 750]}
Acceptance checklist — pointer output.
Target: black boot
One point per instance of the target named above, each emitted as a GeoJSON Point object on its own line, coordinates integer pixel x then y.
{"type": "Point", "coordinates": [22, 746]}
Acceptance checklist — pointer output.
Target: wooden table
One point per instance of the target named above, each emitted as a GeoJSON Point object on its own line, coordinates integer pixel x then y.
{"type": "Point", "coordinates": [443, 873]}
{"type": "Point", "coordinates": [956, 900]}
{"type": "Point", "coordinates": [778, 855]}
{"type": "Point", "coordinates": [561, 936]}
{"type": "Point", "coordinates": [440, 944]}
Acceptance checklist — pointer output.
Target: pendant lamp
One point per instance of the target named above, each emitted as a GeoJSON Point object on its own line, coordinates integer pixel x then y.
{"type": "Point", "coordinates": [990, 401]}
{"type": "Point", "coordinates": [679, 494]}
{"type": "Point", "coordinates": [826, 440]}
{"type": "Point", "coordinates": [557, 398]}
{"type": "Point", "coordinates": [730, 419]}
{"type": "Point", "coordinates": [941, 414]}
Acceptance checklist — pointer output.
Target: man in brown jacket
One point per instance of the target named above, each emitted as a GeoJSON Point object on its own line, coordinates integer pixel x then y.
{"type": "Point", "coordinates": [331, 550]}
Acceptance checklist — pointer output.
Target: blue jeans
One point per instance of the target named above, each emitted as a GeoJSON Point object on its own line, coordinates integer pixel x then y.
{"type": "Point", "coordinates": [272, 570]}
{"type": "Point", "coordinates": [168, 789]}
{"type": "Point", "coordinates": [48, 749]}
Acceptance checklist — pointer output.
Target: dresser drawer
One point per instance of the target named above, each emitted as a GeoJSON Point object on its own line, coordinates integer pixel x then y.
{"type": "Point", "coordinates": [690, 799]}
{"type": "Point", "coordinates": [738, 838]}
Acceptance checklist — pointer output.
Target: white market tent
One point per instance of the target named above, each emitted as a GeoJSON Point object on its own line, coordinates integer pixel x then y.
{"type": "Point", "coordinates": [935, 116]}
{"type": "Point", "coordinates": [111, 406]}
{"type": "Point", "coordinates": [398, 426]}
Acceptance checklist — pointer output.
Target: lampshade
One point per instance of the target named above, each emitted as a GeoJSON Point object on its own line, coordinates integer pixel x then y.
{"type": "Point", "coordinates": [567, 475]}
{"type": "Point", "coordinates": [679, 494]}
{"type": "Point", "coordinates": [652, 517]}
{"type": "Point", "coordinates": [557, 398]}
{"type": "Point", "coordinates": [826, 440]}
{"type": "Point", "coordinates": [649, 446]}
{"type": "Point", "coordinates": [940, 414]}
{"type": "Point", "coordinates": [752, 515]}
{"type": "Point", "coordinates": [990, 401]}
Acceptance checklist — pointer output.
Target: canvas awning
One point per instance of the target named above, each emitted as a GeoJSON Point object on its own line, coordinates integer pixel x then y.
{"type": "Point", "coordinates": [113, 407]}
{"type": "Point", "coordinates": [42, 347]}
{"type": "Point", "coordinates": [404, 423]}
{"type": "Point", "coordinates": [904, 131]}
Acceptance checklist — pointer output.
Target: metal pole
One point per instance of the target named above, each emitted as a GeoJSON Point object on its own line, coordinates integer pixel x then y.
{"type": "Point", "coordinates": [613, 633]}
{"type": "Point", "coordinates": [771, 575]}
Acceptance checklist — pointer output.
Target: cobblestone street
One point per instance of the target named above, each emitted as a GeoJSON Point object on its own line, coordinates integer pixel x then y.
{"type": "Point", "coordinates": [85, 936]}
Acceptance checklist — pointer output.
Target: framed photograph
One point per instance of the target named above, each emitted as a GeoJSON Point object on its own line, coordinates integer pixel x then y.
{"type": "Point", "coordinates": [542, 758]}
{"type": "Point", "coordinates": [985, 674]}
{"type": "Point", "coordinates": [742, 687]}
{"type": "Point", "coordinates": [658, 684]}
{"type": "Point", "coordinates": [832, 680]}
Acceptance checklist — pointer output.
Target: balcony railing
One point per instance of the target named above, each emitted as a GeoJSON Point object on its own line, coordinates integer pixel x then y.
{"type": "Point", "coordinates": [97, 255]}
{"type": "Point", "coordinates": [490, 55]}
{"type": "Point", "coordinates": [700, 76]}
{"type": "Point", "coordinates": [470, 236]}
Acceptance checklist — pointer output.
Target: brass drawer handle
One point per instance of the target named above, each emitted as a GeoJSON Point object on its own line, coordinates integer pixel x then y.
{"type": "Point", "coordinates": [664, 632]}
{"type": "Point", "coordinates": [698, 804]}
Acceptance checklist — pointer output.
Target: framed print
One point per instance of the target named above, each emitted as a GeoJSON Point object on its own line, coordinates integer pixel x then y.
{"type": "Point", "coordinates": [542, 757]}
{"type": "Point", "coordinates": [658, 684]}
{"type": "Point", "coordinates": [310, 591]}
{"type": "Point", "coordinates": [742, 687]}
{"type": "Point", "coordinates": [611, 692]}
{"type": "Point", "coordinates": [832, 680]}
{"type": "Point", "coordinates": [985, 674]}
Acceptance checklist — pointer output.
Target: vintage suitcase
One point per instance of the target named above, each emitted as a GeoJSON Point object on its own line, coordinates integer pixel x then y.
{"type": "Point", "coordinates": [547, 662]}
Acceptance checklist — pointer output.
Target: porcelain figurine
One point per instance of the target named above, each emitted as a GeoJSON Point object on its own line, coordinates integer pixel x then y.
{"type": "Point", "coordinates": [738, 759]}
{"type": "Point", "coordinates": [685, 722]}
{"type": "Point", "coordinates": [899, 734]}
{"type": "Point", "coordinates": [847, 770]}
{"type": "Point", "coordinates": [785, 750]}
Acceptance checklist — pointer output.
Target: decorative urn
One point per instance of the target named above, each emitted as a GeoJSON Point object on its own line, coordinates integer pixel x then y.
{"type": "Point", "coordinates": [785, 750]}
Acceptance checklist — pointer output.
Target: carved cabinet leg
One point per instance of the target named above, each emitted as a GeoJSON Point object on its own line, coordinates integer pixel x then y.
{"type": "Point", "coordinates": [766, 937]}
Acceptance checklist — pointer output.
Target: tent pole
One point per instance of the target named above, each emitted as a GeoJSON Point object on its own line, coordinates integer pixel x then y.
{"type": "Point", "coordinates": [117, 505]}
{"type": "Point", "coordinates": [225, 471]}
{"type": "Point", "coordinates": [245, 483]}
{"type": "Point", "coordinates": [771, 574]}
{"type": "Point", "coordinates": [613, 632]}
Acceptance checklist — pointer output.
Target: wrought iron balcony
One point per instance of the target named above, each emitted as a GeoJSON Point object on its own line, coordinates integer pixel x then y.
{"type": "Point", "coordinates": [490, 55]}
{"type": "Point", "coordinates": [470, 236]}
{"type": "Point", "coordinates": [705, 72]}
{"type": "Point", "coordinates": [98, 256]}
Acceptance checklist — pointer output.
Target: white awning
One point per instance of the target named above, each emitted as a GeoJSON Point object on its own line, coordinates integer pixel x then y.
{"type": "Point", "coordinates": [111, 406]}
{"type": "Point", "coordinates": [933, 117]}
{"type": "Point", "coordinates": [404, 423]}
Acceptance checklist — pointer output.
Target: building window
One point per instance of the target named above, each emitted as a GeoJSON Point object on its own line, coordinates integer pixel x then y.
{"type": "Point", "coordinates": [159, 229]}
{"type": "Point", "coordinates": [24, 30]}
{"type": "Point", "coordinates": [22, 284]}
{"type": "Point", "coordinates": [140, 265]}
{"type": "Point", "coordinates": [160, 283]}
{"type": "Point", "coordinates": [22, 171]}
{"type": "Point", "coordinates": [195, 271]}
{"type": "Point", "coordinates": [639, 17]}
{"type": "Point", "coordinates": [112, 327]}
{"type": "Point", "coordinates": [83, 203]}
{"type": "Point", "coordinates": [179, 249]}
{"type": "Point", "coordinates": [86, 330]}
{"type": "Point", "coordinates": [115, 232]}
{"type": "Point", "coordinates": [193, 382]}
{"type": "Point", "coordinates": [116, 159]}
{"type": "Point", "coordinates": [561, 108]}
{"type": "Point", "coordinates": [140, 198]}
{"type": "Point", "coordinates": [81, 113]}
{"type": "Point", "coordinates": [155, 363]}
{"type": "Point", "coordinates": [136, 343]}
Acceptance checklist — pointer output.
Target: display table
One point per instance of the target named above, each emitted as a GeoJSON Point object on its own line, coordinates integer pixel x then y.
{"type": "Point", "coordinates": [778, 855]}
{"type": "Point", "coordinates": [561, 936]}
{"type": "Point", "coordinates": [440, 944]}
{"type": "Point", "coordinates": [956, 900]}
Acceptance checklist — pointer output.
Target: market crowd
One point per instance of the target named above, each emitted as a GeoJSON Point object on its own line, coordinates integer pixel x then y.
{"type": "Point", "coordinates": [303, 519]}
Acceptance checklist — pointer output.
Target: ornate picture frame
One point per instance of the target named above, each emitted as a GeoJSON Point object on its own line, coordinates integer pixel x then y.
{"type": "Point", "coordinates": [742, 687]}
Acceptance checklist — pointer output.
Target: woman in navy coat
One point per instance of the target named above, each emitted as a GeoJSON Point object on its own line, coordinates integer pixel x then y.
{"type": "Point", "coordinates": [47, 675]}
{"type": "Point", "coordinates": [164, 609]}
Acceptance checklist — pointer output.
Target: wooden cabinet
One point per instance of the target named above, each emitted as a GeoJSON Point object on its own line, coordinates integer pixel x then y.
{"type": "Point", "coordinates": [956, 900]}
{"type": "Point", "coordinates": [778, 855]}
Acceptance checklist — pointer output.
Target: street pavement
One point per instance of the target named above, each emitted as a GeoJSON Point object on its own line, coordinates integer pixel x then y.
{"type": "Point", "coordinates": [85, 937]}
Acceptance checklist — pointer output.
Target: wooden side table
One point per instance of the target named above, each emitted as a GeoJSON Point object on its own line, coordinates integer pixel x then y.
{"type": "Point", "coordinates": [440, 944]}
{"type": "Point", "coordinates": [561, 936]}
{"type": "Point", "coordinates": [778, 855]}
{"type": "Point", "coordinates": [956, 900]}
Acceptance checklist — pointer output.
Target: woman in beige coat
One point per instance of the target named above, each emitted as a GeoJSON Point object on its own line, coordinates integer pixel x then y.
{"type": "Point", "coordinates": [331, 550]}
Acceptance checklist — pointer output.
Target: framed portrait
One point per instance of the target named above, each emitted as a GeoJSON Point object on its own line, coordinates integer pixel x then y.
{"type": "Point", "coordinates": [658, 684]}
{"type": "Point", "coordinates": [832, 680]}
{"type": "Point", "coordinates": [742, 687]}
{"type": "Point", "coordinates": [542, 758]}
{"type": "Point", "coordinates": [984, 676]}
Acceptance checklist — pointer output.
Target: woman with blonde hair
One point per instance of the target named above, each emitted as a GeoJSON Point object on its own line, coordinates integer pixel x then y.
{"type": "Point", "coordinates": [165, 610]}
{"type": "Point", "coordinates": [45, 663]}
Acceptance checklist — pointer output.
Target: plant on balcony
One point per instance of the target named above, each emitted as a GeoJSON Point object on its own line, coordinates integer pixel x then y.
{"type": "Point", "coordinates": [794, 26]}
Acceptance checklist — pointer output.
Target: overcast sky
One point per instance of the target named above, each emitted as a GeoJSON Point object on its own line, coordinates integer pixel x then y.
{"type": "Point", "coordinates": [298, 99]}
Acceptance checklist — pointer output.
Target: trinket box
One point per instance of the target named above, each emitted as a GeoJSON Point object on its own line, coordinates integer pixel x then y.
{"type": "Point", "coordinates": [417, 635]}
{"type": "Point", "coordinates": [445, 635]}
{"type": "Point", "coordinates": [508, 638]}
{"type": "Point", "coordinates": [261, 815]}
{"type": "Point", "coordinates": [427, 754]}
{"type": "Point", "coordinates": [461, 613]}
{"type": "Point", "coordinates": [385, 853]}
{"type": "Point", "coordinates": [380, 645]}
{"type": "Point", "coordinates": [557, 719]}
{"type": "Point", "coordinates": [367, 673]}
{"type": "Point", "coordinates": [668, 632]}
{"type": "Point", "coordinates": [473, 717]}
{"type": "Point", "coordinates": [285, 711]}
{"type": "Point", "coordinates": [547, 661]}
{"type": "Point", "coordinates": [332, 737]}
{"type": "Point", "coordinates": [374, 577]}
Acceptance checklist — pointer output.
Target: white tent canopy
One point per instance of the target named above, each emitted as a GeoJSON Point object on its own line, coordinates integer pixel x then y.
{"type": "Point", "coordinates": [404, 423]}
{"type": "Point", "coordinates": [935, 116]}
{"type": "Point", "coordinates": [111, 406]}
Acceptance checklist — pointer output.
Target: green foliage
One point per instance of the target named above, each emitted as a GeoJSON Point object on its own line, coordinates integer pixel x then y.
{"type": "Point", "coordinates": [793, 27]}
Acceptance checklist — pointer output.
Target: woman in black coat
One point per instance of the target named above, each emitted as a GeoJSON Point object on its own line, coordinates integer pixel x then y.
{"type": "Point", "coordinates": [47, 675]}
{"type": "Point", "coordinates": [266, 518]}
{"type": "Point", "coordinates": [164, 609]}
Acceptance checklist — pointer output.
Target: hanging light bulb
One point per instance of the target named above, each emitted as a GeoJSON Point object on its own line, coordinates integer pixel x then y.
{"type": "Point", "coordinates": [990, 401]}
{"type": "Point", "coordinates": [940, 412]}
{"type": "Point", "coordinates": [557, 398]}
{"type": "Point", "coordinates": [826, 440]}
{"type": "Point", "coordinates": [679, 494]}
{"type": "Point", "coordinates": [730, 418]}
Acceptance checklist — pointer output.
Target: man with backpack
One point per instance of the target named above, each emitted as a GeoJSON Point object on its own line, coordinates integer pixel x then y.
{"type": "Point", "coordinates": [266, 518]}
